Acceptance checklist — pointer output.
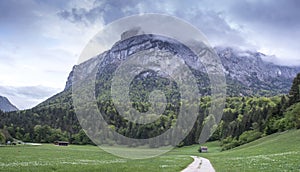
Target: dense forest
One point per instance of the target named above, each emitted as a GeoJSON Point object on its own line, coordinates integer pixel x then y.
{"type": "Point", "coordinates": [244, 119]}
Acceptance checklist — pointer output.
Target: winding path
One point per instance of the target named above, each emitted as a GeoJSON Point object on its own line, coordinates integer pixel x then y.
{"type": "Point", "coordinates": [199, 165]}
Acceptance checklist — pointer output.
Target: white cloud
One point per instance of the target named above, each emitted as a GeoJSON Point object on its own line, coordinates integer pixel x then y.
{"type": "Point", "coordinates": [26, 97]}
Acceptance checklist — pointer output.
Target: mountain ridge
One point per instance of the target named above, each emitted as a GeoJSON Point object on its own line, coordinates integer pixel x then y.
{"type": "Point", "coordinates": [247, 73]}
{"type": "Point", "coordinates": [6, 105]}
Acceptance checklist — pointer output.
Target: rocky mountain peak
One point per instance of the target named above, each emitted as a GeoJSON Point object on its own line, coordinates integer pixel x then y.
{"type": "Point", "coordinates": [246, 71]}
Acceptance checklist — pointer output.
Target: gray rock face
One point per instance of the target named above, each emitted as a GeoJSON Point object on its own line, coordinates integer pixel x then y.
{"type": "Point", "coordinates": [246, 72]}
{"type": "Point", "coordinates": [6, 106]}
{"type": "Point", "coordinates": [253, 72]}
{"type": "Point", "coordinates": [240, 64]}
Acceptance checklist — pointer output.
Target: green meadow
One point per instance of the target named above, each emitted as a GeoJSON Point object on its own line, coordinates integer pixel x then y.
{"type": "Point", "coordinates": [277, 152]}
{"type": "Point", "coordinates": [48, 157]}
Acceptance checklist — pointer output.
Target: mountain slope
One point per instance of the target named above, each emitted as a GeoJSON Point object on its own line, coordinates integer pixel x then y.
{"type": "Point", "coordinates": [6, 106]}
{"type": "Point", "coordinates": [247, 74]}
{"type": "Point", "coordinates": [256, 76]}
{"type": "Point", "coordinates": [276, 152]}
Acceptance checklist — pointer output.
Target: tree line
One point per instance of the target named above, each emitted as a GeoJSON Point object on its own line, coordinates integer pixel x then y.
{"type": "Point", "coordinates": [244, 118]}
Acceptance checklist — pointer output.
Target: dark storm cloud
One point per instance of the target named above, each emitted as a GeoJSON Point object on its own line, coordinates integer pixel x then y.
{"type": "Point", "coordinates": [108, 10]}
{"type": "Point", "coordinates": [269, 26]}
{"type": "Point", "coordinates": [215, 27]}
{"type": "Point", "coordinates": [210, 22]}
{"type": "Point", "coordinates": [274, 25]}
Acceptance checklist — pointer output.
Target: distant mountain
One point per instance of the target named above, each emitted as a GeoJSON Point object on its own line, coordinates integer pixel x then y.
{"type": "Point", "coordinates": [248, 74]}
{"type": "Point", "coordinates": [6, 106]}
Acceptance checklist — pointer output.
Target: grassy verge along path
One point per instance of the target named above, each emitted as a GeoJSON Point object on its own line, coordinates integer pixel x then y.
{"type": "Point", "coordinates": [277, 152]}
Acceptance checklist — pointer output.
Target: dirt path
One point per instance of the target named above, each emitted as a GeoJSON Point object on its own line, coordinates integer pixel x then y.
{"type": "Point", "coordinates": [199, 165]}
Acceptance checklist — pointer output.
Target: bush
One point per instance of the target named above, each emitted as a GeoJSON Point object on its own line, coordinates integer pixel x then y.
{"type": "Point", "coordinates": [292, 116]}
{"type": "Point", "coordinates": [249, 136]}
{"type": "Point", "coordinates": [229, 143]}
{"type": "Point", "coordinates": [245, 137]}
{"type": "Point", "coordinates": [2, 138]}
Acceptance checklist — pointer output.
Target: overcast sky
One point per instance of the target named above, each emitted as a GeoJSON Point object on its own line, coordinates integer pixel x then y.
{"type": "Point", "coordinates": [40, 40]}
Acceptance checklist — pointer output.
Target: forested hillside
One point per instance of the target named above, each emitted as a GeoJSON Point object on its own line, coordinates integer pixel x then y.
{"type": "Point", "coordinates": [245, 119]}
{"type": "Point", "coordinates": [283, 115]}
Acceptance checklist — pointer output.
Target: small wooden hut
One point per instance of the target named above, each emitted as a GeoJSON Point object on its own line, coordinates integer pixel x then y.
{"type": "Point", "coordinates": [203, 149]}
{"type": "Point", "coordinates": [61, 143]}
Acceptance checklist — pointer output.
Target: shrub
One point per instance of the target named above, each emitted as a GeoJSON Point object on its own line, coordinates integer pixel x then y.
{"type": "Point", "coordinates": [229, 143]}
{"type": "Point", "coordinates": [249, 136]}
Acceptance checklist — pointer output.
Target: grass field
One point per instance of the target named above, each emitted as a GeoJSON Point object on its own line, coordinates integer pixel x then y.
{"type": "Point", "coordinates": [278, 152]}
{"type": "Point", "coordinates": [85, 158]}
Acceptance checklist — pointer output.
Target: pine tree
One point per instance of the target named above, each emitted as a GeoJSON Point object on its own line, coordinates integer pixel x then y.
{"type": "Point", "coordinates": [295, 91]}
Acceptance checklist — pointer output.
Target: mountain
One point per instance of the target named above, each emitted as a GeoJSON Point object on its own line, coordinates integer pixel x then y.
{"type": "Point", "coordinates": [253, 74]}
{"type": "Point", "coordinates": [6, 106]}
{"type": "Point", "coordinates": [247, 74]}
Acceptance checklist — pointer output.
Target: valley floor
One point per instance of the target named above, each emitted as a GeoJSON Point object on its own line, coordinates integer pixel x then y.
{"type": "Point", "coordinates": [277, 152]}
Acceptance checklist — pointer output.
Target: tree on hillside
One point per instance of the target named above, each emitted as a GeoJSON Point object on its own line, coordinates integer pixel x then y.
{"type": "Point", "coordinates": [295, 91]}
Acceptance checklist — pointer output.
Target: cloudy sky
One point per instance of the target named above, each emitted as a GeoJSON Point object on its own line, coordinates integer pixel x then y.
{"type": "Point", "coordinates": [40, 40]}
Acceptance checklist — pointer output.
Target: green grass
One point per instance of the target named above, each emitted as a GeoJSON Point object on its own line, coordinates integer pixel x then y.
{"type": "Point", "coordinates": [85, 158]}
{"type": "Point", "coordinates": [278, 152]}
